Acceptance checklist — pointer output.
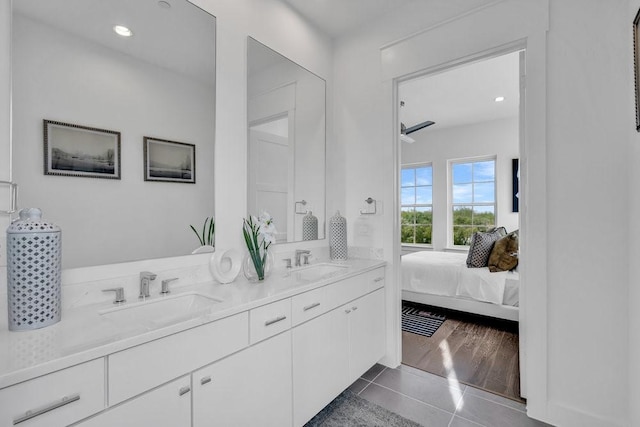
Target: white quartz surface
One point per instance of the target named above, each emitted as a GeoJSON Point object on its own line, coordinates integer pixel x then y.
{"type": "Point", "coordinates": [83, 334]}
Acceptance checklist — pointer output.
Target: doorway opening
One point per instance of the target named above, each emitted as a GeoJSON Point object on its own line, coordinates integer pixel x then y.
{"type": "Point", "coordinates": [461, 129]}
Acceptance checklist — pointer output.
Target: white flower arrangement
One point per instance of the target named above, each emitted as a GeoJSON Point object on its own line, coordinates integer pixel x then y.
{"type": "Point", "coordinates": [259, 233]}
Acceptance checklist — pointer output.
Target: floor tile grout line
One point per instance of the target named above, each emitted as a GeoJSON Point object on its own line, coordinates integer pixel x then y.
{"type": "Point", "coordinates": [461, 386]}
{"type": "Point", "coordinates": [412, 398]}
{"type": "Point", "coordinates": [498, 403]}
{"type": "Point", "coordinates": [379, 373]}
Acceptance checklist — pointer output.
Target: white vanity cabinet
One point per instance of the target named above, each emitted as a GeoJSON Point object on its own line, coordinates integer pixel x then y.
{"type": "Point", "coordinates": [56, 399]}
{"type": "Point", "coordinates": [168, 405]}
{"type": "Point", "coordinates": [333, 350]}
{"type": "Point", "coordinates": [249, 388]}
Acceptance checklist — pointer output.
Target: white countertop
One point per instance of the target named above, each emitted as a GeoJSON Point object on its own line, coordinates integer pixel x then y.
{"type": "Point", "coordinates": [83, 334]}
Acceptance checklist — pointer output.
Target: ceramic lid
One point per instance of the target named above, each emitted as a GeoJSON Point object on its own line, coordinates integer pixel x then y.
{"type": "Point", "coordinates": [31, 221]}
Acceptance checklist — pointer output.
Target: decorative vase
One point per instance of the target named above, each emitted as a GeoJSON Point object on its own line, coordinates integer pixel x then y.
{"type": "Point", "coordinates": [34, 253]}
{"type": "Point", "coordinates": [252, 273]}
{"type": "Point", "coordinates": [338, 237]}
{"type": "Point", "coordinates": [309, 227]}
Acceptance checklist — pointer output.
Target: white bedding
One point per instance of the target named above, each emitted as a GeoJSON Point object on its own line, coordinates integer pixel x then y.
{"type": "Point", "coordinates": [446, 274]}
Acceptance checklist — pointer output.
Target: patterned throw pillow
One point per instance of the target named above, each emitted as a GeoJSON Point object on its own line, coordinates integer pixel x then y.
{"type": "Point", "coordinates": [481, 246]}
{"type": "Point", "coordinates": [504, 256]}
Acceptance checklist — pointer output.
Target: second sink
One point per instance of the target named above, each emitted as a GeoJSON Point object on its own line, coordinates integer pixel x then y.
{"type": "Point", "coordinates": [318, 272]}
{"type": "Point", "coordinates": [161, 311]}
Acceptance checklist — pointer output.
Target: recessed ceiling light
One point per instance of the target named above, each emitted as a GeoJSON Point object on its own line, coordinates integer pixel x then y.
{"type": "Point", "coordinates": [499, 98]}
{"type": "Point", "coordinates": [122, 31]}
{"type": "Point", "coordinates": [164, 4]}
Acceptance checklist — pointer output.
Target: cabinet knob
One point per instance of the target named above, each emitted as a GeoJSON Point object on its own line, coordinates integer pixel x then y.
{"type": "Point", "coordinates": [347, 311]}
{"type": "Point", "coordinates": [354, 308]}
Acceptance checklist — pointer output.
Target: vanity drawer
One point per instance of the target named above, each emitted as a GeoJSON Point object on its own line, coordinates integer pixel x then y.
{"type": "Point", "coordinates": [141, 368]}
{"type": "Point", "coordinates": [309, 305]}
{"type": "Point", "coordinates": [374, 279]}
{"type": "Point", "coordinates": [269, 320]}
{"type": "Point", "coordinates": [56, 399]}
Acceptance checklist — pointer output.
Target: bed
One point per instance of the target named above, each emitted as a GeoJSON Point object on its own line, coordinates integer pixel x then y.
{"type": "Point", "coordinates": [442, 279]}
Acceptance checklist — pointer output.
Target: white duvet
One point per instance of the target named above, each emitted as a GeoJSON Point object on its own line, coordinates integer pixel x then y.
{"type": "Point", "coordinates": [446, 273]}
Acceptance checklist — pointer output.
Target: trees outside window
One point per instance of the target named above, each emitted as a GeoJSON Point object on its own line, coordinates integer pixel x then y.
{"type": "Point", "coordinates": [473, 198]}
{"type": "Point", "coordinates": [417, 204]}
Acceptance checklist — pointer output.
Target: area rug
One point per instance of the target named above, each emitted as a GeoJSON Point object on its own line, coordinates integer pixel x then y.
{"type": "Point", "coordinates": [421, 322]}
{"type": "Point", "coordinates": [350, 410]}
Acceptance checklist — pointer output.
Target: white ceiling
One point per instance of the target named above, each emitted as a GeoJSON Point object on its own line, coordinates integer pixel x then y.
{"type": "Point", "coordinates": [180, 38]}
{"type": "Point", "coordinates": [337, 17]}
{"type": "Point", "coordinates": [464, 95]}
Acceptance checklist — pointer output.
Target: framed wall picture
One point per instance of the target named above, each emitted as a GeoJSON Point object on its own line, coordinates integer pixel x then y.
{"type": "Point", "coordinates": [515, 180]}
{"type": "Point", "coordinates": [83, 151]}
{"type": "Point", "coordinates": [169, 161]}
{"type": "Point", "coordinates": [636, 66]}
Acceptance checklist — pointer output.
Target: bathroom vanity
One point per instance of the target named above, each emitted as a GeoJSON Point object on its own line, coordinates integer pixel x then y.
{"type": "Point", "coordinates": [269, 354]}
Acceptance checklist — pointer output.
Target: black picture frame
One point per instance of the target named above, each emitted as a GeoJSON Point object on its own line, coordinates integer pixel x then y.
{"type": "Point", "coordinates": [80, 151]}
{"type": "Point", "coordinates": [515, 185]}
{"type": "Point", "coordinates": [169, 161]}
{"type": "Point", "coordinates": [636, 66]}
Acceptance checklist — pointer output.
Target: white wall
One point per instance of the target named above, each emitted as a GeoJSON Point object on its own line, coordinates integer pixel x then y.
{"type": "Point", "coordinates": [575, 161]}
{"type": "Point", "coordinates": [57, 76]}
{"type": "Point", "coordinates": [5, 120]}
{"type": "Point", "coordinates": [497, 138]}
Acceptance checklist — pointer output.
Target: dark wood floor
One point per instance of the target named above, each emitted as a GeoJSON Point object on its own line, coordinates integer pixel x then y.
{"type": "Point", "coordinates": [478, 351]}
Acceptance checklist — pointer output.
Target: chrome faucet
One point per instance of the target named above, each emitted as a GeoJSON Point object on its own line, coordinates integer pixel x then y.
{"type": "Point", "coordinates": [300, 252]}
{"type": "Point", "coordinates": [145, 278]}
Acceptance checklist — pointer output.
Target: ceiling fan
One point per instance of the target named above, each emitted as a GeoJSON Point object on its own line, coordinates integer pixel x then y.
{"type": "Point", "coordinates": [405, 131]}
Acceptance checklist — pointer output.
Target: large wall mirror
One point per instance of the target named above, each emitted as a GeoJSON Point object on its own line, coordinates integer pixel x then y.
{"type": "Point", "coordinates": [69, 66]}
{"type": "Point", "coordinates": [286, 147]}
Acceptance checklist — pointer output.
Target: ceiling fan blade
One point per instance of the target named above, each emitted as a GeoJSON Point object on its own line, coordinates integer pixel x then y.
{"type": "Point", "coordinates": [418, 127]}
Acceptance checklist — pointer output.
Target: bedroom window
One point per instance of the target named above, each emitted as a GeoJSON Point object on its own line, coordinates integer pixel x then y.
{"type": "Point", "coordinates": [473, 196]}
{"type": "Point", "coordinates": [416, 204]}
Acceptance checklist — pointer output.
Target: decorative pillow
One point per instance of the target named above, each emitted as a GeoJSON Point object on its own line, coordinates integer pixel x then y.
{"type": "Point", "coordinates": [504, 256]}
{"type": "Point", "coordinates": [481, 246]}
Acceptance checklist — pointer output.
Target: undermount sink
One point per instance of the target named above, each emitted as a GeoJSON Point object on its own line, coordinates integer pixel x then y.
{"type": "Point", "coordinates": [161, 311]}
{"type": "Point", "coordinates": [318, 272]}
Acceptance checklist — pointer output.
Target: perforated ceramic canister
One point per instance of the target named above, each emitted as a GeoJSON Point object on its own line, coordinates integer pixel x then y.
{"type": "Point", "coordinates": [34, 258]}
{"type": "Point", "coordinates": [309, 227]}
{"type": "Point", "coordinates": [338, 238]}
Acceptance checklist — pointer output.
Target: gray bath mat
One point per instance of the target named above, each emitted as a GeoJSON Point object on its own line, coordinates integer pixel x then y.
{"type": "Point", "coordinates": [350, 410]}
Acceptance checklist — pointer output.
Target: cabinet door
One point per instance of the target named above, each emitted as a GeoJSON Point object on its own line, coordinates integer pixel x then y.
{"type": "Point", "coordinates": [250, 388]}
{"type": "Point", "coordinates": [366, 332]}
{"type": "Point", "coordinates": [168, 405]}
{"type": "Point", "coordinates": [320, 363]}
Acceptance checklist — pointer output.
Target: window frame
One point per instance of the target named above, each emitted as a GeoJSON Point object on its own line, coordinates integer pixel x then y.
{"type": "Point", "coordinates": [451, 204]}
{"type": "Point", "coordinates": [416, 205]}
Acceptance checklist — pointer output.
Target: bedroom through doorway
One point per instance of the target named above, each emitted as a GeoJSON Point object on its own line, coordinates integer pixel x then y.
{"type": "Point", "coordinates": [460, 139]}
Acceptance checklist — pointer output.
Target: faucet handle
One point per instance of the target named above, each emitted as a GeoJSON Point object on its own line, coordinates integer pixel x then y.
{"type": "Point", "coordinates": [147, 274]}
{"type": "Point", "coordinates": [119, 294]}
{"type": "Point", "coordinates": [287, 262]}
{"type": "Point", "coordinates": [306, 258]}
{"type": "Point", "coordinates": [165, 285]}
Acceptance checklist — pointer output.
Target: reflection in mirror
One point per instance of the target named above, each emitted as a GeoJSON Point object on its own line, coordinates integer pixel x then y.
{"type": "Point", "coordinates": [69, 66]}
{"type": "Point", "coordinates": [286, 147]}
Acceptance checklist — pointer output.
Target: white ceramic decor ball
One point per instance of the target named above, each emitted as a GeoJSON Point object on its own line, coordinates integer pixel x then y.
{"type": "Point", "coordinates": [34, 259]}
{"type": "Point", "coordinates": [338, 238]}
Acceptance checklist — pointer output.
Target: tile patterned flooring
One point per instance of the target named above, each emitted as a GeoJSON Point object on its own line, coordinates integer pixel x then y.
{"type": "Point", "coordinates": [435, 401]}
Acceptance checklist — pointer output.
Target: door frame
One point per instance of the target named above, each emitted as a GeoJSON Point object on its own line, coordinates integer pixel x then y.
{"type": "Point", "coordinates": [519, 45]}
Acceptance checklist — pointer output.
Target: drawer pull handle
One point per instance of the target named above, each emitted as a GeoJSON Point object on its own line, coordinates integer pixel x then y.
{"type": "Point", "coordinates": [354, 308]}
{"type": "Point", "coordinates": [276, 320]}
{"type": "Point", "coordinates": [36, 412]}
{"type": "Point", "coordinates": [184, 390]}
{"type": "Point", "coordinates": [205, 380]}
{"type": "Point", "coordinates": [310, 306]}
{"type": "Point", "coordinates": [378, 279]}
{"type": "Point", "coordinates": [347, 311]}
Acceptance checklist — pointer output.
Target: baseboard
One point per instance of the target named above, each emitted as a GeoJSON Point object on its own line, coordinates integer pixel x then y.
{"type": "Point", "coordinates": [563, 415]}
